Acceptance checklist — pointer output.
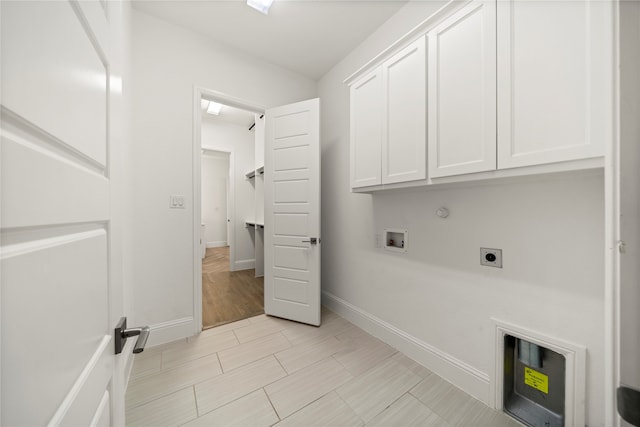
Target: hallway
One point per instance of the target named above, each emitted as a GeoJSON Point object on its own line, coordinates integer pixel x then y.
{"type": "Point", "coordinates": [228, 296]}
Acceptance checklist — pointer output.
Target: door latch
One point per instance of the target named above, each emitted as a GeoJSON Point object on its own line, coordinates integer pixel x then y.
{"type": "Point", "coordinates": [121, 333]}
{"type": "Point", "coordinates": [312, 240]}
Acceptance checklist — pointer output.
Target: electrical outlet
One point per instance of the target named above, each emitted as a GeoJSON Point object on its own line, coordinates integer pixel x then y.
{"type": "Point", "coordinates": [491, 257]}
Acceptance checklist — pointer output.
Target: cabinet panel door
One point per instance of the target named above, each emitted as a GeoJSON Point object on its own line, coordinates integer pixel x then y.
{"type": "Point", "coordinates": [366, 130]}
{"type": "Point", "coordinates": [554, 80]}
{"type": "Point", "coordinates": [404, 124]}
{"type": "Point", "coordinates": [462, 92]}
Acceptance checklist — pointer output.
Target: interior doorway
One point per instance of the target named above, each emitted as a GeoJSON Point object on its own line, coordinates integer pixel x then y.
{"type": "Point", "coordinates": [229, 287]}
{"type": "Point", "coordinates": [215, 200]}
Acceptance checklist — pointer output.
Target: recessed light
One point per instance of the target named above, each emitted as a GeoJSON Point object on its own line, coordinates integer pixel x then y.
{"type": "Point", "coordinates": [214, 108]}
{"type": "Point", "coordinates": [260, 5]}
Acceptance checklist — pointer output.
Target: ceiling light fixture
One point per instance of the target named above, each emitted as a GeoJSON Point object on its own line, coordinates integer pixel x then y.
{"type": "Point", "coordinates": [260, 5]}
{"type": "Point", "coordinates": [214, 108]}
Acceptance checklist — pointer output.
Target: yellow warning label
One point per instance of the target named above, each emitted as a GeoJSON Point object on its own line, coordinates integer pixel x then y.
{"type": "Point", "coordinates": [537, 380]}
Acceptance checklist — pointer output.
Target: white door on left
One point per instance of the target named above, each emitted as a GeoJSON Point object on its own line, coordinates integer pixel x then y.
{"type": "Point", "coordinates": [60, 300]}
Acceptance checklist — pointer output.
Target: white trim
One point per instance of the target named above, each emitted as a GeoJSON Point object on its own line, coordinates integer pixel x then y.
{"type": "Point", "coordinates": [575, 368]}
{"type": "Point", "coordinates": [415, 33]}
{"type": "Point", "coordinates": [198, 94]}
{"type": "Point", "coordinates": [611, 236]}
{"type": "Point", "coordinates": [103, 406]}
{"type": "Point", "coordinates": [521, 174]}
{"type": "Point", "coordinates": [219, 244]}
{"type": "Point", "coordinates": [244, 264]}
{"type": "Point", "coordinates": [84, 377]}
{"type": "Point", "coordinates": [18, 249]}
{"type": "Point", "coordinates": [457, 372]}
{"type": "Point", "coordinates": [172, 330]}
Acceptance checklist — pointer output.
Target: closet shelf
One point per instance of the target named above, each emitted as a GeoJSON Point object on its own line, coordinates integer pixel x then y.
{"type": "Point", "coordinates": [250, 174]}
{"type": "Point", "coordinates": [260, 170]}
{"type": "Point", "coordinates": [252, 224]}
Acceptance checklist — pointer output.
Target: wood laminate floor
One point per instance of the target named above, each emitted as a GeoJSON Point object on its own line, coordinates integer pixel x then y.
{"type": "Point", "coordinates": [265, 371]}
{"type": "Point", "coordinates": [228, 296]}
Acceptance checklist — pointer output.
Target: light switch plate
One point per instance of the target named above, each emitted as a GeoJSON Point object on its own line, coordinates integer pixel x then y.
{"type": "Point", "coordinates": [491, 257]}
{"type": "Point", "coordinates": [176, 202]}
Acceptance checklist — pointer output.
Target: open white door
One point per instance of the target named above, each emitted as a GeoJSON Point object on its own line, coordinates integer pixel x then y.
{"type": "Point", "coordinates": [292, 212]}
{"type": "Point", "coordinates": [61, 294]}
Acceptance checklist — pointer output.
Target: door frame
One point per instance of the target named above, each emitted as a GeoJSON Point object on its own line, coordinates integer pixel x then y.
{"type": "Point", "coordinates": [232, 101]}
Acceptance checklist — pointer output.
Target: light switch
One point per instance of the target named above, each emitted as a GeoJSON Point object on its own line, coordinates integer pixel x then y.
{"type": "Point", "coordinates": [176, 202]}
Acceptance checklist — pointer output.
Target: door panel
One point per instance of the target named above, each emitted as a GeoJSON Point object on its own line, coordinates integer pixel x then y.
{"type": "Point", "coordinates": [462, 98]}
{"type": "Point", "coordinates": [291, 224]}
{"type": "Point", "coordinates": [47, 201]}
{"type": "Point", "coordinates": [290, 191]}
{"type": "Point", "coordinates": [292, 258]}
{"type": "Point", "coordinates": [63, 277]}
{"type": "Point", "coordinates": [46, 49]}
{"type": "Point", "coordinates": [292, 212]}
{"type": "Point", "coordinates": [58, 300]}
{"type": "Point", "coordinates": [554, 81]}
{"type": "Point", "coordinates": [405, 115]}
{"type": "Point", "coordinates": [366, 131]}
{"type": "Point", "coordinates": [291, 290]}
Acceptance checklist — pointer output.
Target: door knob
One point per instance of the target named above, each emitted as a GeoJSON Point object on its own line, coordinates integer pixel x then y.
{"type": "Point", "coordinates": [121, 333]}
{"type": "Point", "coordinates": [312, 240]}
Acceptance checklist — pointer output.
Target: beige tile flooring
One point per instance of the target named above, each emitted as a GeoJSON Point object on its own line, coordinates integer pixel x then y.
{"type": "Point", "coordinates": [266, 371]}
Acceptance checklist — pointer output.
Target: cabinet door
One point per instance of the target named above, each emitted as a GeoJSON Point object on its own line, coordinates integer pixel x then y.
{"type": "Point", "coordinates": [462, 92]}
{"type": "Point", "coordinates": [366, 130]}
{"type": "Point", "coordinates": [554, 80]}
{"type": "Point", "coordinates": [404, 123]}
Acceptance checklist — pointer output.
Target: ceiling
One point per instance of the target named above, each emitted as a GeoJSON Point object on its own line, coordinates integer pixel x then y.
{"type": "Point", "coordinates": [230, 115]}
{"type": "Point", "coordinates": [305, 36]}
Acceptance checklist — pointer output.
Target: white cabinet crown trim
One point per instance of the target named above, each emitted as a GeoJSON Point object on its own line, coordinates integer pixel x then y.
{"type": "Point", "coordinates": [411, 36]}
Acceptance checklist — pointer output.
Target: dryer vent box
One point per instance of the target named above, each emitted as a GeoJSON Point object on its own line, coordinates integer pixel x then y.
{"type": "Point", "coordinates": [534, 383]}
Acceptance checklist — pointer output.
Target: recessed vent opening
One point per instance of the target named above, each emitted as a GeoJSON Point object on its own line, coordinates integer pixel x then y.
{"type": "Point", "coordinates": [534, 383]}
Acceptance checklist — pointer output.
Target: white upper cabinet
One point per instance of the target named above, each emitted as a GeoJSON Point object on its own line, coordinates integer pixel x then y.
{"type": "Point", "coordinates": [462, 92]}
{"type": "Point", "coordinates": [554, 80]}
{"type": "Point", "coordinates": [388, 120]}
{"type": "Point", "coordinates": [366, 130]}
{"type": "Point", "coordinates": [507, 84]}
{"type": "Point", "coordinates": [404, 156]}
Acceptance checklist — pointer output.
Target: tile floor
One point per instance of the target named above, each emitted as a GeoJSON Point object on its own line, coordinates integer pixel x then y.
{"type": "Point", "coordinates": [266, 371]}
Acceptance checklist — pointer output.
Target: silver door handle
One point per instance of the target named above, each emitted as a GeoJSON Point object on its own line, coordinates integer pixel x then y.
{"type": "Point", "coordinates": [121, 333]}
{"type": "Point", "coordinates": [312, 240]}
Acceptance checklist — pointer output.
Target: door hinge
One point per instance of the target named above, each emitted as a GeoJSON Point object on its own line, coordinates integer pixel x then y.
{"type": "Point", "coordinates": [622, 247]}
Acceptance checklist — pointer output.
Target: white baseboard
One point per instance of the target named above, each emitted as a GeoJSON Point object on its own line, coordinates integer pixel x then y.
{"type": "Point", "coordinates": [172, 330]}
{"type": "Point", "coordinates": [457, 372]}
{"type": "Point", "coordinates": [245, 264]}
{"type": "Point", "coordinates": [219, 244]}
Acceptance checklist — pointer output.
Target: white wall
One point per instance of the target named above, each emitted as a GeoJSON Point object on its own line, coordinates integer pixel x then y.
{"type": "Point", "coordinates": [168, 62]}
{"type": "Point", "coordinates": [219, 135]}
{"type": "Point", "coordinates": [215, 177]}
{"type": "Point", "coordinates": [550, 230]}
